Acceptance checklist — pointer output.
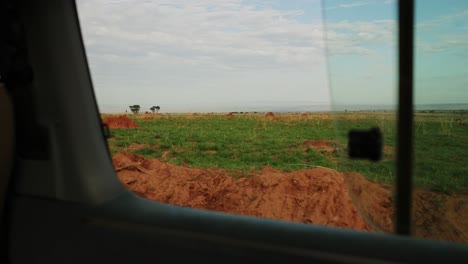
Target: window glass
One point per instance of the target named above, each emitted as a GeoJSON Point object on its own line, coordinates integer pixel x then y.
{"type": "Point", "coordinates": [361, 48]}
{"type": "Point", "coordinates": [441, 120]}
{"type": "Point", "coordinates": [231, 101]}
{"type": "Point", "coordinates": [245, 106]}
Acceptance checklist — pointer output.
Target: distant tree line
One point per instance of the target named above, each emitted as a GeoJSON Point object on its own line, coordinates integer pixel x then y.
{"type": "Point", "coordinates": [155, 109]}
{"type": "Point", "coordinates": [136, 108]}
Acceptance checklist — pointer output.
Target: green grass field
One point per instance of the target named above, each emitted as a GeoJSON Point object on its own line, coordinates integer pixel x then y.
{"type": "Point", "coordinates": [246, 143]}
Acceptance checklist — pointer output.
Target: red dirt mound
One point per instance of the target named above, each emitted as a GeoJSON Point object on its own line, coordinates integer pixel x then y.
{"type": "Point", "coordinates": [133, 147]}
{"type": "Point", "coordinates": [269, 114]}
{"type": "Point", "coordinates": [436, 216]}
{"type": "Point", "coordinates": [315, 143]}
{"type": "Point", "coordinates": [119, 122]}
{"type": "Point", "coordinates": [319, 144]}
{"type": "Point", "coordinates": [230, 115]}
{"type": "Point", "coordinates": [151, 116]}
{"type": "Point", "coordinates": [314, 196]}
{"type": "Point", "coordinates": [319, 196]}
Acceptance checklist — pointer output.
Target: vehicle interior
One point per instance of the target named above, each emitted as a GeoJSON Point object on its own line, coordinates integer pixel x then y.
{"type": "Point", "coordinates": [60, 199]}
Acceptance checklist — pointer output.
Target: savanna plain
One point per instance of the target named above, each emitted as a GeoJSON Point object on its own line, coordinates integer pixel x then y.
{"type": "Point", "coordinates": [294, 167]}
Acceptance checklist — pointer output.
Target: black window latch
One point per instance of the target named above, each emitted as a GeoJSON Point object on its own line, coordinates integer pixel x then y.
{"type": "Point", "coordinates": [365, 144]}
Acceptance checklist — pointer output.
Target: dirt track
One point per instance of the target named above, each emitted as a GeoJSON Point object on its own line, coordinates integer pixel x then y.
{"type": "Point", "coordinates": [318, 196]}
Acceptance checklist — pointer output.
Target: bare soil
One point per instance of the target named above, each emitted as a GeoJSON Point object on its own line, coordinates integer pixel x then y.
{"type": "Point", "coordinates": [317, 196]}
{"type": "Point", "coordinates": [121, 121]}
{"type": "Point", "coordinates": [133, 146]}
{"type": "Point", "coordinates": [314, 196]}
{"type": "Point", "coordinates": [435, 215]}
{"type": "Point", "coordinates": [326, 145]}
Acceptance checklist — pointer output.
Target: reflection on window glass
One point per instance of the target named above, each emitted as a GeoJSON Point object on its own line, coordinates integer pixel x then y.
{"type": "Point", "coordinates": [361, 45]}
{"type": "Point", "coordinates": [441, 120]}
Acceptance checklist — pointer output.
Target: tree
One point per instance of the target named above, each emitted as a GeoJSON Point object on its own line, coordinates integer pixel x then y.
{"type": "Point", "coordinates": [135, 109]}
{"type": "Point", "coordinates": [155, 108]}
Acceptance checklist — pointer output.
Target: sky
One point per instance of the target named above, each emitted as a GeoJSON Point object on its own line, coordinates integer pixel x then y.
{"type": "Point", "coordinates": [234, 55]}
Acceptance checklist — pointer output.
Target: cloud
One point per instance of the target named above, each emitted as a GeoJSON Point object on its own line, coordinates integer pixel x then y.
{"type": "Point", "coordinates": [182, 51]}
{"type": "Point", "coordinates": [444, 43]}
{"type": "Point", "coordinates": [361, 37]}
{"type": "Point", "coordinates": [443, 33]}
{"type": "Point", "coordinates": [353, 4]}
{"type": "Point", "coordinates": [360, 4]}
{"type": "Point", "coordinates": [225, 34]}
{"type": "Point", "coordinates": [350, 5]}
{"type": "Point", "coordinates": [444, 20]}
